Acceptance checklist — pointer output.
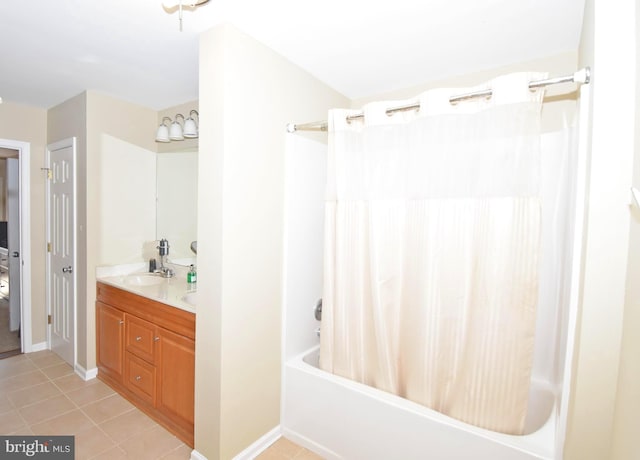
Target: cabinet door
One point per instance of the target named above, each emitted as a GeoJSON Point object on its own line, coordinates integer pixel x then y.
{"type": "Point", "coordinates": [110, 339]}
{"type": "Point", "coordinates": [175, 376]}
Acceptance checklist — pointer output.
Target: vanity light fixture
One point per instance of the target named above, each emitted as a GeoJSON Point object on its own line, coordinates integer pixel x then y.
{"type": "Point", "coordinates": [178, 129]}
{"type": "Point", "coordinates": [170, 6]}
{"type": "Point", "coordinates": [190, 130]}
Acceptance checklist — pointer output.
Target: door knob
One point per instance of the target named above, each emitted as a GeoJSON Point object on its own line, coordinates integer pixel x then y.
{"type": "Point", "coordinates": [67, 269]}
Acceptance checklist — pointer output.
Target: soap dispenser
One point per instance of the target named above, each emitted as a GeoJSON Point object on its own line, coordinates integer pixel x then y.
{"type": "Point", "coordinates": [192, 276]}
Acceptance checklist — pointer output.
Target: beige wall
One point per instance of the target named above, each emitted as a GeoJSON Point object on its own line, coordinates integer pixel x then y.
{"type": "Point", "coordinates": [605, 282]}
{"type": "Point", "coordinates": [29, 124]}
{"type": "Point", "coordinates": [113, 127]}
{"type": "Point", "coordinates": [247, 96]}
{"type": "Point", "coordinates": [626, 421]}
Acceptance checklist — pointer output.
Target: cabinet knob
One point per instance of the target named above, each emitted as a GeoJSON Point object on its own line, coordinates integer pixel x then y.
{"type": "Point", "coordinates": [121, 321]}
{"type": "Point", "coordinates": [155, 339]}
{"type": "Point", "coordinates": [138, 378]}
{"type": "Point", "coordinates": [138, 339]}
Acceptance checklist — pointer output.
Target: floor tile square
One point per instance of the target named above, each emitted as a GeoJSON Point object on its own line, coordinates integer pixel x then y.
{"type": "Point", "coordinates": [33, 394]}
{"type": "Point", "coordinates": [47, 409]}
{"type": "Point", "coordinates": [73, 382]}
{"type": "Point", "coordinates": [151, 444]}
{"type": "Point", "coordinates": [57, 370]}
{"type": "Point", "coordinates": [91, 442]}
{"type": "Point", "coordinates": [69, 423]}
{"type": "Point", "coordinates": [11, 421]}
{"type": "Point", "coordinates": [129, 424]}
{"type": "Point", "coordinates": [90, 393]}
{"type": "Point", "coordinates": [22, 381]}
{"type": "Point", "coordinates": [10, 367]}
{"type": "Point", "coordinates": [44, 358]}
{"type": "Point", "coordinates": [107, 408]}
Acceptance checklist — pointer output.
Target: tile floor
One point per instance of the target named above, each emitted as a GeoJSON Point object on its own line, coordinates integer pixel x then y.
{"type": "Point", "coordinates": [285, 449]}
{"type": "Point", "coordinates": [40, 394]}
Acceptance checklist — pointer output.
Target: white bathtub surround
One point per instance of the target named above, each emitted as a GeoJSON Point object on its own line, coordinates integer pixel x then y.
{"type": "Point", "coordinates": [305, 179]}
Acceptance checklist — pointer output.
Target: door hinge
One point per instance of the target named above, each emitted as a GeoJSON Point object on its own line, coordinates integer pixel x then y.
{"type": "Point", "coordinates": [49, 319]}
{"type": "Point", "coordinates": [49, 172]}
{"type": "Point", "coordinates": [48, 247]}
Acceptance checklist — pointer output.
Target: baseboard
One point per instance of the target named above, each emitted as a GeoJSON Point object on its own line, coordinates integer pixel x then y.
{"type": "Point", "coordinates": [86, 374]}
{"type": "Point", "coordinates": [259, 446]}
{"type": "Point", "coordinates": [38, 347]}
{"type": "Point", "coordinates": [195, 455]}
{"type": "Point", "coordinates": [250, 452]}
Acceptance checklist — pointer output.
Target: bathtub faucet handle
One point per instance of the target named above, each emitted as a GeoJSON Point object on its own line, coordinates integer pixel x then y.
{"type": "Point", "coordinates": [317, 312]}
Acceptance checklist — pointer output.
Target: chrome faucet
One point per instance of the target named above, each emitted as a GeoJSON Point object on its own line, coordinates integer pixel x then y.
{"type": "Point", "coordinates": [163, 251]}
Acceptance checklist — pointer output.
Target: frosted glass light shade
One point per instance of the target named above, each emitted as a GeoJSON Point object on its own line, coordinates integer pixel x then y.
{"type": "Point", "coordinates": [190, 128]}
{"type": "Point", "coordinates": [175, 132]}
{"type": "Point", "coordinates": [163, 134]}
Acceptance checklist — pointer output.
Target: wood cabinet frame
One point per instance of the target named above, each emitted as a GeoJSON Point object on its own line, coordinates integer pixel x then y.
{"type": "Point", "coordinates": [146, 352]}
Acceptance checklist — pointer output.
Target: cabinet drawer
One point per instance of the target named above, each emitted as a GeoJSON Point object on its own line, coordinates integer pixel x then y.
{"type": "Point", "coordinates": [139, 338]}
{"type": "Point", "coordinates": [140, 378]}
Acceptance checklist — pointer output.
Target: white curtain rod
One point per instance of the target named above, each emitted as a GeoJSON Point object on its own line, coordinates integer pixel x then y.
{"type": "Point", "coordinates": [582, 76]}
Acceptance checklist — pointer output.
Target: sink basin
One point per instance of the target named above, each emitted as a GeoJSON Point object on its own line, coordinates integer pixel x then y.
{"type": "Point", "coordinates": [143, 280]}
{"type": "Point", "coordinates": [190, 298]}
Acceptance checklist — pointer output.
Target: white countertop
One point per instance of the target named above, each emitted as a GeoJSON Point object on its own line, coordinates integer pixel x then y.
{"type": "Point", "coordinates": [136, 279]}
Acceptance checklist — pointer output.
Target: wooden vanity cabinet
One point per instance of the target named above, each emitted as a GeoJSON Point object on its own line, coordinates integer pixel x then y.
{"type": "Point", "coordinates": [146, 352]}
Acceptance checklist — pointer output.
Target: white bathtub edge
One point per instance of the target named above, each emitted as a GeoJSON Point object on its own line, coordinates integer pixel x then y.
{"type": "Point", "coordinates": [527, 444]}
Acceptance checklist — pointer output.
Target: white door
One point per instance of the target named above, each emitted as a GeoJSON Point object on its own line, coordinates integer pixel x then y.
{"type": "Point", "coordinates": [61, 248]}
{"type": "Point", "coordinates": [15, 267]}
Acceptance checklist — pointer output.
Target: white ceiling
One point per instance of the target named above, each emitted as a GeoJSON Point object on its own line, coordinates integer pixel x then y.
{"type": "Point", "coordinates": [133, 50]}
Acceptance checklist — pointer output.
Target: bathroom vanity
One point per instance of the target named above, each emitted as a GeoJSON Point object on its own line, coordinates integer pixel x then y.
{"type": "Point", "coordinates": [146, 352]}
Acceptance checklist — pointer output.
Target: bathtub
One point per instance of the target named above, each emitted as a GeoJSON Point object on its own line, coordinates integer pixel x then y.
{"type": "Point", "coordinates": [341, 419]}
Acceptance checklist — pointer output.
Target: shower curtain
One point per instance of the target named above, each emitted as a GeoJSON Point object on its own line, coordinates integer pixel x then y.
{"type": "Point", "coordinates": [432, 236]}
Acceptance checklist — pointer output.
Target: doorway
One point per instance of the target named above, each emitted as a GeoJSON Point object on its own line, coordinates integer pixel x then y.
{"type": "Point", "coordinates": [61, 248]}
{"type": "Point", "coordinates": [15, 273]}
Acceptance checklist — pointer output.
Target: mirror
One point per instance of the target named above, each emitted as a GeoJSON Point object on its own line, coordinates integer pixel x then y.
{"type": "Point", "coordinates": [177, 202]}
